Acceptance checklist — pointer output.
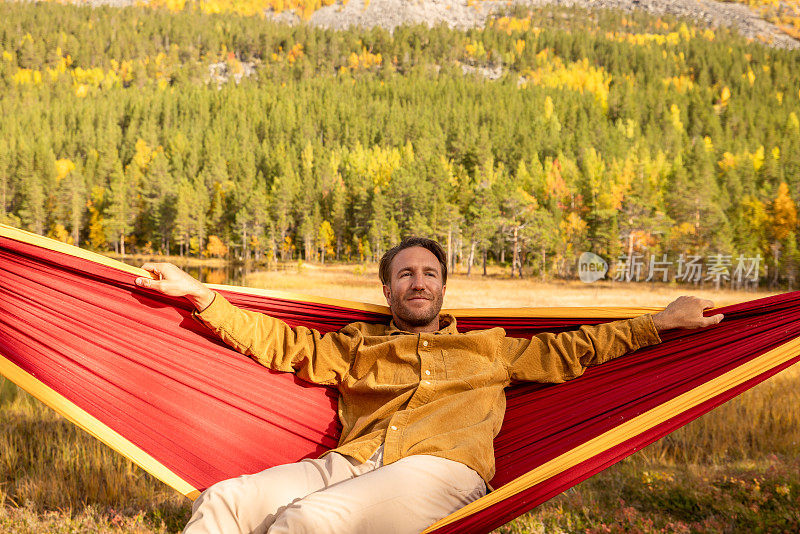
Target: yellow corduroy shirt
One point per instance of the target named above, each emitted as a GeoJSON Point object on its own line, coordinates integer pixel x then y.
{"type": "Point", "coordinates": [437, 393]}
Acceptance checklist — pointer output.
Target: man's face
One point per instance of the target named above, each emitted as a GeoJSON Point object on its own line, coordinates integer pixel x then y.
{"type": "Point", "coordinates": [415, 291]}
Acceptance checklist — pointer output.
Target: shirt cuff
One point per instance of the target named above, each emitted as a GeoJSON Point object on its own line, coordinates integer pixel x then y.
{"type": "Point", "coordinates": [215, 314]}
{"type": "Point", "coordinates": [644, 331]}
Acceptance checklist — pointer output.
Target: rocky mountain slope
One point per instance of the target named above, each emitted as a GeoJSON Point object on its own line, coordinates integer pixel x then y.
{"type": "Point", "coordinates": [462, 14]}
{"type": "Point", "coordinates": [456, 13]}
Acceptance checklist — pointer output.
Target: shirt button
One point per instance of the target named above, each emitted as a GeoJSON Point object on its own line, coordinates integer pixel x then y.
{"type": "Point", "coordinates": [427, 372]}
{"type": "Point", "coordinates": [426, 382]}
{"type": "Point", "coordinates": [394, 427]}
{"type": "Point", "coordinates": [424, 343]}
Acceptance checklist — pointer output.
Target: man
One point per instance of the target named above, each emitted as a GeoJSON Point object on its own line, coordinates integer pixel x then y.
{"type": "Point", "coordinates": [419, 402]}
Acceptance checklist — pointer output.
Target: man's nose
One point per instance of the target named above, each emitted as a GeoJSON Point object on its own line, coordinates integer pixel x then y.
{"type": "Point", "coordinates": [418, 281]}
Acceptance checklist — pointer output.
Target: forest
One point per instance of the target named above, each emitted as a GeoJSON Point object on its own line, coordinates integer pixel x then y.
{"type": "Point", "coordinates": [546, 134]}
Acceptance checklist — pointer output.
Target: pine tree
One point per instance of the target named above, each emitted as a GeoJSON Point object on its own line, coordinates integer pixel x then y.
{"type": "Point", "coordinates": [184, 216]}
{"type": "Point", "coordinates": [119, 212]}
{"type": "Point", "coordinates": [30, 196]}
{"type": "Point", "coordinates": [71, 203]}
{"type": "Point", "coordinates": [158, 194]}
{"type": "Point", "coordinates": [5, 179]}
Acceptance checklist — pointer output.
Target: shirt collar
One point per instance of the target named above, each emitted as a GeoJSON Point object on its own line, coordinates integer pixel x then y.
{"type": "Point", "coordinates": [447, 325]}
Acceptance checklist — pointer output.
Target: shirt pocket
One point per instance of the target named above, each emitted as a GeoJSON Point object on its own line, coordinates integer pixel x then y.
{"type": "Point", "coordinates": [382, 365]}
{"type": "Point", "coordinates": [470, 368]}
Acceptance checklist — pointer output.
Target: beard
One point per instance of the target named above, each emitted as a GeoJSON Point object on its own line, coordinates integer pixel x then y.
{"type": "Point", "coordinates": [415, 316]}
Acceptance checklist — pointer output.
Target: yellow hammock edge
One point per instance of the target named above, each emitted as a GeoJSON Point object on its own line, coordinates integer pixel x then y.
{"type": "Point", "coordinates": [93, 426]}
{"type": "Point", "coordinates": [609, 312]}
{"type": "Point", "coordinates": [631, 428]}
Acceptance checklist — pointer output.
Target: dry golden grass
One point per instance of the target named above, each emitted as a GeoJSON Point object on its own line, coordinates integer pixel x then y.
{"type": "Point", "coordinates": [48, 464]}
{"type": "Point", "coordinates": [360, 283]}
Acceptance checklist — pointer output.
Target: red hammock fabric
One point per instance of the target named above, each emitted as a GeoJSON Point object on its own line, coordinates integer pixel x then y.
{"type": "Point", "coordinates": [136, 361]}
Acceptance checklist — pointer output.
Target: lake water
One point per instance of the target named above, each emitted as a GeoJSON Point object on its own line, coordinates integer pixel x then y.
{"type": "Point", "coordinates": [231, 274]}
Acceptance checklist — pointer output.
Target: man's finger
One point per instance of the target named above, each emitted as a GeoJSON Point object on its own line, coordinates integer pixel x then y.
{"type": "Point", "coordinates": [707, 303]}
{"type": "Point", "coordinates": [714, 319]}
{"type": "Point", "coordinates": [154, 269]}
{"type": "Point", "coordinates": [149, 283]}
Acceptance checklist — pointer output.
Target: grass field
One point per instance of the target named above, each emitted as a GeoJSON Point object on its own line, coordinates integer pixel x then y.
{"type": "Point", "coordinates": [733, 470]}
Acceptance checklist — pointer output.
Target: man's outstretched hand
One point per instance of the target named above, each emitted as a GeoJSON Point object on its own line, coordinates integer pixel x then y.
{"type": "Point", "coordinates": [685, 312]}
{"type": "Point", "coordinates": [171, 280]}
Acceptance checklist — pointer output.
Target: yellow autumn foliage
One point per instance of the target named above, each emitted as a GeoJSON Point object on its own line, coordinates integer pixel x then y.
{"type": "Point", "coordinates": [555, 185]}
{"type": "Point", "coordinates": [295, 53]}
{"type": "Point", "coordinates": [303, 8]}
{"type": "Point", "coordinates": [513, 25]}
{"type": "Point", "coordinates": [731, 161]}
{"type": "Point", "coordinates": [724, 97]}
{"type": "Point", "coordinates": [758, 158]}
{"type": "Point", "coordinates": [681, 83]}
{"type": "Point", "coordinates": [91, 77]}
{"type": "Point", "coordinates": [675, 117]}
{"type": "Point", "coordinates": [143, 154]}
{"type": "Point", "coordinates": [27, 77]}
{"type": "Point", "coordinates": [364, 60]}
{"type": "Point", "coordinates": [215, 248]}
{"type": "Point", "coordinates": [784, 213]}
{"type": "Point", "coordinates": [377, 163]}
{"type": "Point", "coordinates": [474, 49]}
{"type": "Point", "coordinates": [85, 79]}
{"type": "Point", "coordinates": [59, 233]}
{"type": "Point", "coordinates": [63, 168]}
{"type": "Point", "coordinates": [728, 161]}
{"type": "Point", "coordinates": [578, 76]}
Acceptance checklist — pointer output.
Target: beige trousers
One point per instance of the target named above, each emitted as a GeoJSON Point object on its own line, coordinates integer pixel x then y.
{"type": "Point", "coordinates": [336, 494]}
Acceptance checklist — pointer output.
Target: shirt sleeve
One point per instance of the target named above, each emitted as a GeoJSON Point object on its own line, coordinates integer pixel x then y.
{"type": "Point", "coordinates": [314, 357]}
{"type": "Point", "coordinates": [555, 358]}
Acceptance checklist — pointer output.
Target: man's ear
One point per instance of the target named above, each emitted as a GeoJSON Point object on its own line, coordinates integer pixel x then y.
{"type": "Point", "coordinates": [387, 292]}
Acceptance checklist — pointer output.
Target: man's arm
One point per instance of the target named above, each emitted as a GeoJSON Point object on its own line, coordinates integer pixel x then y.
{"type": "Point", "coordinates": [551, 357]}
{"type": "Point", "coordinates": [317, 358]}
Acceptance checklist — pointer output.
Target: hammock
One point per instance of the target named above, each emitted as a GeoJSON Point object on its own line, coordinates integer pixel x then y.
{"type": "Point", "coordinates": [136, 371]}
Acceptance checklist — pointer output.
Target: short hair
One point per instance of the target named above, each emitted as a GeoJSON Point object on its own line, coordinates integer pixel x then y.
{"type": "Point", "coordinates": [408, 242]}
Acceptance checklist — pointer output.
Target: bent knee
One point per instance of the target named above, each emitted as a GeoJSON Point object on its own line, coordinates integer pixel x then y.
{"type": "Point", "coordinates": [219, 493]}
{"type": "Point", "coordinates": [302, 520]}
